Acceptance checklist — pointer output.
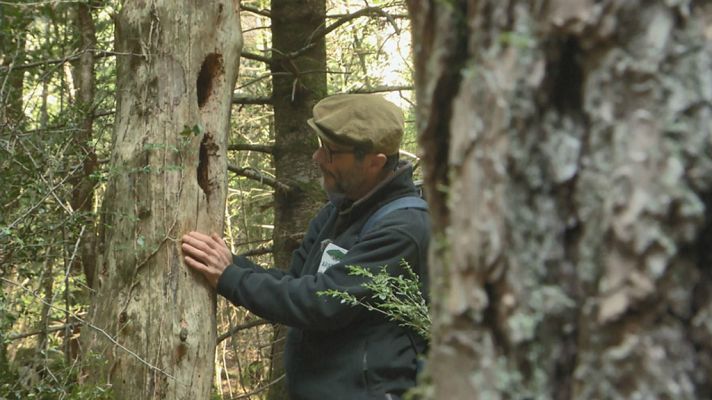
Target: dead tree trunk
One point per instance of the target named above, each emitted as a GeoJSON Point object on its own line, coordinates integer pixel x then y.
{"type": "Point", "coordinates": [151, 330]}
{"type": "Point", "coordinates": [567, 150]}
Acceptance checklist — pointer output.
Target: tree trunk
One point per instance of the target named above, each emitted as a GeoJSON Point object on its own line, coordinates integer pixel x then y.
{"type": "Point", "coordinates": [567, 151]}
{"type": "Point", "coordinates": [152, 321]}
{"type": "Point", "coordinates": [12, 54]}
{"type": "Point", "coordinates": [297, 85]}
{"type": "Point", "coordinates": [83, 185]}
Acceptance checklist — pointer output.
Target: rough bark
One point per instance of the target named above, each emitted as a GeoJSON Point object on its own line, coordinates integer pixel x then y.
{"type": "Point", "coordinates": [567, 152]}
{"type": "Point", "coordinates": [298, 83]}
{"type": "Point", "coordinates": [152, 321]}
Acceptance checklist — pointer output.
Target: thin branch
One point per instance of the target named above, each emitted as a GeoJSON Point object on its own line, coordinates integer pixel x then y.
{"type": "Point", "coordinates": [256, 57]}
{"type": "Point", "coordinates": [251, 100]}
{"type": "Point", "coordinates": [382, 89]}
{"type": "Point", "coordinates": [257, 252]}
{"type": "Point", "coordinates": [72, 57]}
{"type": "Point", "coordinates": [241, 327]}
{"type": "Point", "coordinates": [262, 148]}
{"type": "Point", "coordinates": [39, 203]}
{"type": "Point", "coordinates": [320, 33]}
{"type": "Point", "coordinates": [254, 10]}
{"type": "Point", "coordinates": [104, 113]}
{"type": "Point", "coordinates": [256, 175]}
{"type": "Point", "coordinates": [258, 390]}
{"type": "Point", "coordinates": [394, 16]}
{"type": "Point", "coordinates": [102, 54]}
{"type": "Point", "coordinates": [38, 3]}
{"type": "Point", "coordinates": [18, 336]}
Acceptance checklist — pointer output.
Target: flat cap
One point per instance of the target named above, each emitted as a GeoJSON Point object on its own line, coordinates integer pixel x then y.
{"type": "Point", "coordinates": [364, 120]}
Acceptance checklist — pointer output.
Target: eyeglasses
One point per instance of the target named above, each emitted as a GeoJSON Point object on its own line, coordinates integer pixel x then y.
{"type": "Point", "coordinates": [330, 152]}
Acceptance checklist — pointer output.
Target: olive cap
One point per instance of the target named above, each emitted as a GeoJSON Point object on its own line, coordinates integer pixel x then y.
{"type": "Point", "coordinates": [363, 120]}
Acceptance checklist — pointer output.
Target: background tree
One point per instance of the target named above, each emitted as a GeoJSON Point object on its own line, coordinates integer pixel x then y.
{"type": "Point", "coordinates": [298, 68]}
{"type": "Point", "coordinates": [152, 320]}
{"type": "Point", "coordinates": [567, 150]}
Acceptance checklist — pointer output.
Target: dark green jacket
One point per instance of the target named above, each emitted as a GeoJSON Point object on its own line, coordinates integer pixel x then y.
{"type": "Point", "coordinates": [334, 350]}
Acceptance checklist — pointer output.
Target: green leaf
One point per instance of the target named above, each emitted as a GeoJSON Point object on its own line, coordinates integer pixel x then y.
{"type": "Point", "coordinates": [198, 129]}
{"type": "Point", "coordinates": [187, 130]}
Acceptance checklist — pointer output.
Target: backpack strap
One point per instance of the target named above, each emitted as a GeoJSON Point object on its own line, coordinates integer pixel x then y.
{"type": "Point", "coordinates": [397, 204]}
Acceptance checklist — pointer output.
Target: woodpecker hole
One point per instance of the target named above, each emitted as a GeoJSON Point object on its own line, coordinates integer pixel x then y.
{"type": "Point", "coordinates": [203, 160]}
{"type": "Point", "coordinates": [208, 149]}
{"type": "Point", "coordinates": [212, 68]}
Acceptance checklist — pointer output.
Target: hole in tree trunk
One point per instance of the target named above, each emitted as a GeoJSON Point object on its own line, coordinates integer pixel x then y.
{"type": "Point", "coordinates": [212, 67]}
{"type": "Point", "coordinates": [203, 160]}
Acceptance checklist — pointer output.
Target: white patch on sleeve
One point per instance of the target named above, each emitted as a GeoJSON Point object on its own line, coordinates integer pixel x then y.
{"type": "Point", "coordinates": [332, 254]}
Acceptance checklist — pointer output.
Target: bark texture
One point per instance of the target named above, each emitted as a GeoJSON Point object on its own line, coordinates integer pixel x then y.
{"type": "Point", "coordinates": [152, 332]}
{"type": "Point", "coordinates": [567, 150]}
{"type": "Point", "coordinates": [297, 84]}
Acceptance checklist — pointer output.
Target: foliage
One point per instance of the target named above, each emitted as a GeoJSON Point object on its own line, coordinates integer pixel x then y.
{"type": "Point", "coordinates": [50, 376]}
{"type": "Point", "coordinates": [399, 297]}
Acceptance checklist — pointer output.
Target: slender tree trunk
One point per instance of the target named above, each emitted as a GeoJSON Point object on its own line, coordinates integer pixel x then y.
{"type": "Point", "coordinates": [567, 151]}
{"type": "Point", "coordinates": [152, 332]}
{"type": "Point", "coordinates": [297, 85]}
{"type": "Point", "coordinates": [12, 54]}
{"type": "Point", "coordinates": [83, 186]}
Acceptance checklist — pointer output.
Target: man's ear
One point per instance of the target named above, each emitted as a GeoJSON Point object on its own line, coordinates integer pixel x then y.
{"type": "Point", "coordinates": [378, 161]}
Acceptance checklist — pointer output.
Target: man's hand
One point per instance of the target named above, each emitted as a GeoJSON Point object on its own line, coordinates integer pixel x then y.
{"type": "Point", "coordinates": [207, 254]}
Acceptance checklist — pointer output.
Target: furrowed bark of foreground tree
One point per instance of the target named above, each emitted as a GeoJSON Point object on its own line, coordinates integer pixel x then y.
{"type": "Point", "coordinates": [152, 332]}
{"type": "Point", "coordinates": [567, 151]}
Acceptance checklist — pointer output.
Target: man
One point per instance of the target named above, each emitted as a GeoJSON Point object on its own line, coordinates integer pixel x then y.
{"type": "Point", "coordinates": [334, 350]}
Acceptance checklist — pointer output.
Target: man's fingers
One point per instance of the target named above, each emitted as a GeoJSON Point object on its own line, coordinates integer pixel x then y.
{"type": "Point", "coordinates": [218, 239]}
{"type": "Point", "coordinates": [206, 259]}
{"type": "Point", "coordinates": [191, 262]}
{"type": "Point", "coordinates": [198, 239]}
{"type": "Point", "coordinates": [201, 243]}
{"type": "Point", "coordinates": [199, 236]}
{"type": "Point", "coordinates": [204, 241]}
{"type": "Point", "coordinates": [192, 250]}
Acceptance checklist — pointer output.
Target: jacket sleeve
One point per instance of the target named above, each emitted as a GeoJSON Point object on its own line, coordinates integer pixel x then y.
{"type": "Point", "coordinates": [293, 300]}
